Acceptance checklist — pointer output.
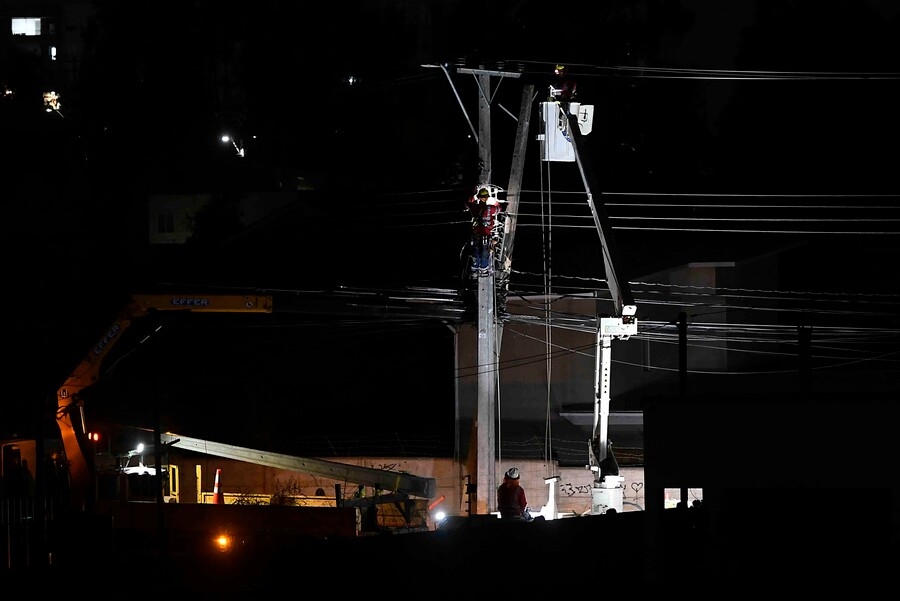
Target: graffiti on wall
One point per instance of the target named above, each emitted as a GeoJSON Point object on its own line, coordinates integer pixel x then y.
{"type": "Point", "coordinates": [570, 490]}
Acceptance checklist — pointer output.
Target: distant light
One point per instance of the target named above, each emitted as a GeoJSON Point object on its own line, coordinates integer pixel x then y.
{"type": "Point", "coordinates": [351, 80]}
{"type": "Point", "coordinates": [52, 102]}
{"type": "Point", "coordinates": [140, 447]}
{"type": "Point", "coordinates": [223, 543]}
{"type": "Point", "coordinates": [239, 149]}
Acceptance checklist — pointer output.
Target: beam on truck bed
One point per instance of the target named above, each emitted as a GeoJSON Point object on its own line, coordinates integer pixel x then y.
{"type": "Point", "coordinates": [398, 482]}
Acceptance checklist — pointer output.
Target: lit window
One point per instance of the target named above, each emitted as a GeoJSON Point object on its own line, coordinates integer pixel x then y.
{"type": "Point", "coordinates": [51, 101]}
{"type": "Point", "coordinates": [26, 26]}
{"type": "Point", "coordinates": [673, 497]}
{"type": "Point", "coordinates": [53, 53]}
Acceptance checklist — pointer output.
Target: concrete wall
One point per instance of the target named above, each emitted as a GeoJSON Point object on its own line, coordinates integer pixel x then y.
{"type": "Point", "coordinates": [572, 489]}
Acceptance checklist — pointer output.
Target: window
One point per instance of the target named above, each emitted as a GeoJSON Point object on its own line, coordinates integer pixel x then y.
{"type": "Point", "coordinates": [165, 222]}
{"type": "Point", "coordinates": [51, 101]}
{"type": "Point", "coordinates": [26, 26]}
{"type": "Point", "coordinates": [673, 497]}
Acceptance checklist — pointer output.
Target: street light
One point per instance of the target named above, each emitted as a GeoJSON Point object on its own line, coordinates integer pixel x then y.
{"type": "Point", "coordinates": [140, 468]}
{"type": "Point", "coordinates": [240, 149]}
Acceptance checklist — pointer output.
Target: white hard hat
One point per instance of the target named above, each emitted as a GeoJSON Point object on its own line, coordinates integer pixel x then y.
{"type": "Point", "coordinates": [513, 473]}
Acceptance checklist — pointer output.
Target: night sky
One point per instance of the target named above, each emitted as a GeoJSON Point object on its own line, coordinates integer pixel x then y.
{"type": "Point", "coordinates": [738, 98]}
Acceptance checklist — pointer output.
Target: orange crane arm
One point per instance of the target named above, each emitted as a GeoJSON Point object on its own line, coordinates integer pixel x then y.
{"type": "Point", "coordinates": [69, 405]}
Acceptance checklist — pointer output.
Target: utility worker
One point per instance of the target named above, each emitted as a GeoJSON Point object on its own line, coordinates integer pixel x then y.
{"type": "Point", "coordinates": [562, 92]}
{"type": "Point", "coordinates": [511, 502]}
{"type": "Point", "coordinates": [484, 211]}
{"type": "Point", "coordinates": [564, 88]}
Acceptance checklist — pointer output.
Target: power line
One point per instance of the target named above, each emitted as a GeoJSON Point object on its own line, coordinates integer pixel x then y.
{"type": "Point", "coordinates": [649, 72]}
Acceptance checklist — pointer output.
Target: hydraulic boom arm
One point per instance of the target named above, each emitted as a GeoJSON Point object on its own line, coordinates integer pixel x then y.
{"type": "Point", "coordinates": [621, 325]}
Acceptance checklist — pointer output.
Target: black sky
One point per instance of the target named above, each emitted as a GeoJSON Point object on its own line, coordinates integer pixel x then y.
{"type": "Point", "coordinates": [675, 113]}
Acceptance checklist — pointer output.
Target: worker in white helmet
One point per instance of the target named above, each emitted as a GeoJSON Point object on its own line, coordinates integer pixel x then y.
{"type": "Point", "coordinates": [511, 502]}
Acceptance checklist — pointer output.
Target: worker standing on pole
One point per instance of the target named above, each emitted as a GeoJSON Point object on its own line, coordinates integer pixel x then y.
{"type": "Point", "coordinates": [484, 207]}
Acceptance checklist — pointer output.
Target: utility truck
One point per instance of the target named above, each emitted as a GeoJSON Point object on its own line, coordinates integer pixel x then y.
{"type": "Point", "coordinates": [138, 494]}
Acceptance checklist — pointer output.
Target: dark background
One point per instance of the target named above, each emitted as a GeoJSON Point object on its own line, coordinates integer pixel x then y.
{"type": "Point", "coordinates": [742, 101]}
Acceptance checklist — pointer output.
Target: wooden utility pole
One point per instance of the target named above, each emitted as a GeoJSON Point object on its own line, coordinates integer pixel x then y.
{"type": "Point", "coordinates": [486, 417]}
{"type": "Point", "coordinates": [486, 357]}
{"type": "Point", "coordinates": [487, 324]}
{"type": "Point", "coordinates": [484, 128]}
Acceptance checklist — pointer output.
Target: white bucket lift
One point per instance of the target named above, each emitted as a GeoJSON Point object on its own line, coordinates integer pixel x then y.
{"type": "Point", "coordinates": [561, 141]}
{"type": "Point", "coordinates": [556, 144]}
{"type": "Point", "coordinates": [607, 494]}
